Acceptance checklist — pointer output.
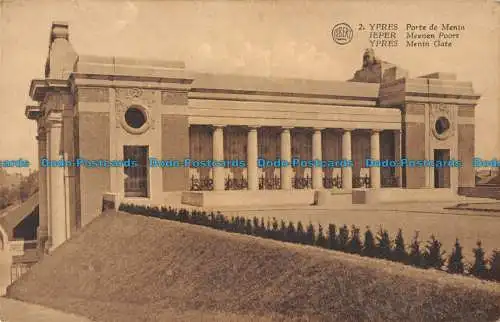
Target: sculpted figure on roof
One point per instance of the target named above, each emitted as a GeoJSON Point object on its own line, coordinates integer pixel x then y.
{"type": "Point", "coordinates": [371, 70]}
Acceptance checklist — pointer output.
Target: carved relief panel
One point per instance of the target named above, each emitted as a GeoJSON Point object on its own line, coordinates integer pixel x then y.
{"type": "Point", "coordinates": [442, 120]}
{"type": "Point", "coordinates": [134, 109]}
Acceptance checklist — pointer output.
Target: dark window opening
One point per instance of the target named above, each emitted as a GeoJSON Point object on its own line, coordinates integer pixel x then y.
{"type": "Point", "coordinates": [442, 125]}
{"type": "Point", "coordinates": [135, 117]}
{"type": "Point", "coordinates": [136, 178]}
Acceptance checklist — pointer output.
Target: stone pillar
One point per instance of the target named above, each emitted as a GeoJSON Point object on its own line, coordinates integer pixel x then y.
{"type": "Point", "coordinates": [43, 228]}
{"type": "Point", "coordinates": [252, 155]}
{"type": "Point", "coordinates": [56, 185]}
{"type": "Point", "coordinates": [397, 156]}
{"type": "Point", "coordinates": [286, 155]}
{"type": "Point", "coordinates": [317, 172]}
{"type": "Point", "coordinates": [218, 155]}
{"type": "Point", "coordinates": [346, 155]}
{"type": "Point", "coordinates": [375, 155]}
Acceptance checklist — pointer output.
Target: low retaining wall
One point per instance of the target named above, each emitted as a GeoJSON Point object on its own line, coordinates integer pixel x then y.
{"type": "Point", "coordinates": [333, 199]}
{"type": "Point", "coordinates": [481, 191]}
{"type": "Point", "coordinates": [247, 198]}
{"type": "Point", "coordinates": [370, 196]}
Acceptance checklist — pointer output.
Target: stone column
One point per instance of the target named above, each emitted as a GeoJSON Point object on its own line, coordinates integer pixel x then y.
{"type": "Point", "coordinates": [252, 155]}
{"type": "Point", "coordinates": [375, 155]}
{"type": "Point", "coordinates": [346, 155]}
{"type": "Point", "coordinates": [218, 155]}
{"type": "Point", "coordinates": [56, 184]}
{"type": "Point", "coordinates": [317, 172]}
{"type": "Point", "coordinates": [286, 155]}
{"type": "Point", "coordinates": [43, 228]}
{"type": "Point", "coordinates": [397, 156]}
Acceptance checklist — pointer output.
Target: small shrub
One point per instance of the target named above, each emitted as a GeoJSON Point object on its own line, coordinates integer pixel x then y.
{"type": "Point", "coordinates": [321, 240]}
{"type": "Point", "coordinates": [399, 253]}
{"type": "Point", "coordinates": [282, 231]}
{"type": "Point", "coordinates": [494, 272]}
{"type": "Point", "coordinates": [310, 234]}
{"type": "Point", "coordinates": [300, 233]}
{"type": "Point", "coordinates": [248, 227]}
{"type": "Point", "coordinates": [433, 256]}
{"type": "Point", "coordinates": [479, 268]}
{"type": "Point", "coordinates": [455, 262]}
{"type": "Point", "coordinates": [275, 229]}
{"type": "Point", "coordinates": [262, 228]}
{"type": "Point", "coordinates": [355, 244]}
{"type": "Point", "coordinates": [269, 231]}
{"type": "Point", "coordinates": [383, 244]}
{"type": "Point", "coordinates": [255, 226]}
{"type": "Point", "coordinates": [332, 239]}
{"type": "Point", "coordinates": [343, 238]}
{"type": "Point", "coordinates": [415, 256]}
{"type": "Point", "coordinates": [291, 234]}
{"type": "Point", "coordinates": [369, 247]}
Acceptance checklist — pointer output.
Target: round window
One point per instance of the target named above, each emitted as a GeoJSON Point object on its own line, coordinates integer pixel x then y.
{"type": "Point", "coordinates": [442, 125]}
{"type": "Point", "coordinates": [135, 117]}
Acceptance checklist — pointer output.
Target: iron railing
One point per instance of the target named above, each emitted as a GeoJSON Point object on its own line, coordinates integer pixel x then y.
{"type": "Point", "coordinates": [361, 181]}
{"type": "Point", "coordinates": [390, 182]}
{"type": "Point", "coordinates": [332, 182]}
{"type": "Point", "coordinates": [269, 183]}
{"type": "Point", "coordinates": [302, 182]}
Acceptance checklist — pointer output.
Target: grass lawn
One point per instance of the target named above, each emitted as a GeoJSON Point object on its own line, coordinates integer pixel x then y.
{"type": "Point", "coordinates": [131, 268]}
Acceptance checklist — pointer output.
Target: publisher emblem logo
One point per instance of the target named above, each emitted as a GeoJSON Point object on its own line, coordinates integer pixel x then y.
{"type": "Point", "coordinates": [342, 33]}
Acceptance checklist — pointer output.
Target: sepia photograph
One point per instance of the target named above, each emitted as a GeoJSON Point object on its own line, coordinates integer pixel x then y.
{"type": "Point", "coordinates": [252, 160]}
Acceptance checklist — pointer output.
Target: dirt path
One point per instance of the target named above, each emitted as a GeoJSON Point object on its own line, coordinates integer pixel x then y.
{"type": "Point", "coordinates": [17, 311]}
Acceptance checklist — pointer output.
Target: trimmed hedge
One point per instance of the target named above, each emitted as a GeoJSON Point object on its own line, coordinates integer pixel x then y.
{"type": "Point", "coordinates": [345, 240]}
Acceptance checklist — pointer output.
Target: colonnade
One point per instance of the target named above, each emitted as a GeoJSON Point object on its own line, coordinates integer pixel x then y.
{"type": "Point", "coordinates": [286, 173]}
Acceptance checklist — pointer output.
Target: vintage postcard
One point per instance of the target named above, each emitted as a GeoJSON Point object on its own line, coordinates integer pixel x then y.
{"type": "Point", "coordinates": [250, 160]}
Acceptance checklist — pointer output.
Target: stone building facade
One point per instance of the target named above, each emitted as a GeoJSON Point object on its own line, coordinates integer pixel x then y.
{"type": "Point", "coordinates": [112, 108]}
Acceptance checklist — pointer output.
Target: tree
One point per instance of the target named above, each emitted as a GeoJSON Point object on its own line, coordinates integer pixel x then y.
{"type": "Point", "coordinates": [282, 231]}
{"type": "Point", "coordinates": [310, 234]}
{"type": "Point", "coordinates": [248, 227]}
{"type": "Point", "coordinates": [291, 234]}
{"type": "Point", "coordinates": [479, 268]}
{"type": "Point", "coordinates": [455, 262]}
{"type": "Point", "coordinates": [369, 247]}
{"type": "Point", "coordinates": [433, 256]}
{"type": "Point", "coordinates": [399, 253]}
{"type": "Point", "coordinates": [300, 233]}
{"type": "Point", "coordinates": [255, 226]}
{"type": "Point", "coordinates": [275, 231]}
{"type": "Point", "coordinates": [415, 257]}
{"type": "Point", "coordinates": [355, 244]}
{"type": "Point", "coordinates": [494, 272]}
{"type": "Point", "coordinates": [344, 238]}
{"type": "Point", "coordinates": [321, 240]}
{"type": "Point", "coordinates": [384, 244]}
{"type": "Point", "coordinates": [262, 228]}
{"type": "Point", "coordinates": [332, 242]}
{"type": "Point", "coordinates": [269, 232]}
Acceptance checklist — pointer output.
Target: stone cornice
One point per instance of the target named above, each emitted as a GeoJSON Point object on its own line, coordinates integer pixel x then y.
{"type": "Point", "coordinates": [427, 90]}
{"type": "Point", "coordinates": [40, 87]}
{"type": "Point", "coordinates": [178, 82]}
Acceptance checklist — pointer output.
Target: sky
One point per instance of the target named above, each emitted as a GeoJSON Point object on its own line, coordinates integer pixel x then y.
{"type": "Point", "coordinates": [284, 38]}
